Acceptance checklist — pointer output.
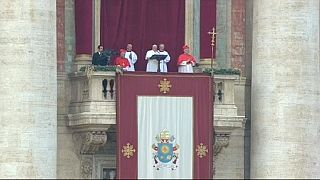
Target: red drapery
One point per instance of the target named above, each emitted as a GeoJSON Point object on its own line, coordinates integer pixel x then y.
{"type": "Point", "coordinates": [83, 25]}
{"type": "Point", "coordinates": [198, 86]}
{"type": "Point", "coordinates": [143, 23]}
{"type": "Point", "coordinates": [207, 21]}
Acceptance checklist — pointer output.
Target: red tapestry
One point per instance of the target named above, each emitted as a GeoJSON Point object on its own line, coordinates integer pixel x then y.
{"type": "Point", "coordinates": [207, 21]}
{"type": "Point", "coordinates": [83, 26]}
{"type": "Point", "coordinates": [144, 23]}
{"type": "Point", "coordinates": [198, 86]}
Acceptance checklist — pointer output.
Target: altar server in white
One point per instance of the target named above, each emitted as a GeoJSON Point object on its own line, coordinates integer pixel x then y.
{"type": "Point", "coordinates": [131, 56]}
{"type": "Point", "coordinates": [163, 63]}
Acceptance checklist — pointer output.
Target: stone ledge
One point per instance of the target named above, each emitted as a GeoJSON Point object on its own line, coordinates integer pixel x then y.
{"type": "Point", "coordinates": [225, 77]}
{"type": "Point", "coordinates": [229, 122]}
{"type": "Point", "coordinates": [92, 120]}
{"type": "Point", "coordinates": [82, 74]}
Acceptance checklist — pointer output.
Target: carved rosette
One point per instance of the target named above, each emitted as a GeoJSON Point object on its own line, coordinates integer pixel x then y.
{"type": "Point", "coordinates": [221, 140]}
{"type": "Point", "coordinates": [91, 141]}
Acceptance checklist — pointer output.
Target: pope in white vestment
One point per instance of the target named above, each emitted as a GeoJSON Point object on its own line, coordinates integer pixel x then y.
{"type": "Point", "coordinates": [131, 56]}
{"type": "Point", "coordinates": [152, 65]}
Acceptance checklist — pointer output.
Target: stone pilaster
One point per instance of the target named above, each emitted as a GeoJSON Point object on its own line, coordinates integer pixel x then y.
{"type": "Point", "coordinates": [192, 27]}
{"type": "Point", "coordinates": [223, 42]}
{"type": "Point", "coordinates": [28, 91]}
{"type": "Point", "coordinates": [285, 89]}
{"type": "Point", "coordinates": [238, 34]}
{"type": "Point", "coordinates": [96, 26]}
{"type": "Point", "coordinates": [70, 34]}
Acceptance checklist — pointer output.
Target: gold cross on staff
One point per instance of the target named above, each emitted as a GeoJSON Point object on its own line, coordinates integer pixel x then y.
{"type": "Point", "coordinates": [212, 33]}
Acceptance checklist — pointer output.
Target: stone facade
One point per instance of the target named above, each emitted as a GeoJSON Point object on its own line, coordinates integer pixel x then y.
{"type": "Point", "coordinates": [28, 91]}
{"type": "Point", "coordinates": [59, 122]}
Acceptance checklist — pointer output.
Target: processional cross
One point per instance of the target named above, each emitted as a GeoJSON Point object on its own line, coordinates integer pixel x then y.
{"type": "Point", "coordinates": [213, 35]}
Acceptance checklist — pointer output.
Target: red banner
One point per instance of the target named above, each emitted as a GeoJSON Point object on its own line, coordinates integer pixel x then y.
{"type": "Point", "coordinates": [198, 86]}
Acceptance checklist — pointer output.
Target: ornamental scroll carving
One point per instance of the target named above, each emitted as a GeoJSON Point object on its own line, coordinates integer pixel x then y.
{"type": "Point", "coordinates": [221, 140]}
{"type": "Point", "coordinates": [90, 142]}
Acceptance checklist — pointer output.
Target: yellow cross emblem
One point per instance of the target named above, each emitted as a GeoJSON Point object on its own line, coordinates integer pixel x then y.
{"type": "Point", "coordinates": [164, 86]}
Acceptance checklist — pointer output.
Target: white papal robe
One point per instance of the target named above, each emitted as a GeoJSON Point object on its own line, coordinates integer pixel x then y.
{"type": "Point", "coordinates": [132, 57]}
{"type": "Point", "coordinates": [152, 65]}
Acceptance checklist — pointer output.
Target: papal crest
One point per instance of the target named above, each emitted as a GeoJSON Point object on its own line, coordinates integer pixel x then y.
{"type": "Point", "coordinates": [165, 151]}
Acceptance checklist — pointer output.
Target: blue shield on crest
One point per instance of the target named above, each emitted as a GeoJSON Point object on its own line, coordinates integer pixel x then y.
{"type": "Point", "coordinates": [165, 152]}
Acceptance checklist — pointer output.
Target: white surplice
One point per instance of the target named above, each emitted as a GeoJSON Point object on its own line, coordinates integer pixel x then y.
{"type": "Point", "coordinates": [152, 65]}
{"type": "Point", "coordinates": [163, 63]}
{"type": "Point", "coordinates": [132, 57]}
{"type": "Point", "coordinates": [185, 68]}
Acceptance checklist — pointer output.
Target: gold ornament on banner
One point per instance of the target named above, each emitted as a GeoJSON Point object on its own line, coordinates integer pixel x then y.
{"type": "Point", "coordinates": [128, 150]}
{"type": "Point", "coordinates": [164, 86]}
{"type": "Point", "coordinates": [201, 150]}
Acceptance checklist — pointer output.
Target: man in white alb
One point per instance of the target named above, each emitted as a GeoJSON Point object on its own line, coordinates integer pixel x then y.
{"type": "Point", "coordinates": [163, 63]}
{"type": "Point", "coordinates": [152, 65]}
{"type": "Point", "coordinates": [131, 56]}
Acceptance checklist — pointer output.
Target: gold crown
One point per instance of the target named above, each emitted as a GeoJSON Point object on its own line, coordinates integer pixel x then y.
{"type": "Point", "coordinates": [165, 134]}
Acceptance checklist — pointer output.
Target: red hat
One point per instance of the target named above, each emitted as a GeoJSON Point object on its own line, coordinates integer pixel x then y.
{"type": "Point", "coordinates": [123, 51]}
{"type": "Point", "coordinates": [185, 47]}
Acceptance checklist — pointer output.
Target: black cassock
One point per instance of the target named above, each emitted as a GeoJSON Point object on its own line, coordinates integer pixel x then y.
{"type": "Point", "coordinates": [100, 59]}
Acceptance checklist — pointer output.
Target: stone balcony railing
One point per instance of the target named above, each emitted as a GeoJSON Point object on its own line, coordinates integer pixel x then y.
{"type": "Point", "coordinates": [93, 108]}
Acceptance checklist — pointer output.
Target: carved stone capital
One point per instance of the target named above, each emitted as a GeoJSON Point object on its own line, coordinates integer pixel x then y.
{"type": "Point", "coordinates": [89, 142]}
{"type": "Point", "coordinates": [221, 140]}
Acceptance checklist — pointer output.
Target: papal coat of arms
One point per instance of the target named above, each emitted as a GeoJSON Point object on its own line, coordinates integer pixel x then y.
{"type": "Point", "coordinates": [165, 151]}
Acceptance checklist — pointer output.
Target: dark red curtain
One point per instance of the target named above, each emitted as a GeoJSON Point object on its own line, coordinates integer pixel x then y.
{"type": "Point", "coordinates": [131, 84]}
{"type": "Point", "coordinates": [143, 23]}
{"type": "Point", "coordinates": [207, 21]}
{"type": "Point", "coordinates": [83, 25]}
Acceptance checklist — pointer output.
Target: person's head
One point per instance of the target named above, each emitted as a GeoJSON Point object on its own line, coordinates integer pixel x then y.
{"type": "Point", "coordinates": [154, 47]}
{"type": "Point", "coordinates": [122, 53]}
{"type": "Point", "coordinates": [129, 47]}
{"type": "Point", "coordinates": [186, 49]}
{"type": "Point", "coordinates": [161, 47]}
{"type": "Point", "coordinates": [100, 48]}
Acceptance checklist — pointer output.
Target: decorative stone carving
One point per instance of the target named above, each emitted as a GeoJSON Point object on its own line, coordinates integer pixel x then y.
{"type": "Point", "coordinates": [221, 140]}
{"type": "Point", "coordinates": [85, 91]}
{"type": "Point", "coordinates": [89, 142]}
{"type": "Point", "coordinates": [86, 168]}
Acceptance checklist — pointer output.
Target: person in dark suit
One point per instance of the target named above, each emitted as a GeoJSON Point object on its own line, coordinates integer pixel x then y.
{"type": "Point", "coordinates": [99, 58]}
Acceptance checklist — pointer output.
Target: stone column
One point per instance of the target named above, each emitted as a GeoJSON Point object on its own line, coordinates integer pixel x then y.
{"type": "Point", "coordinates": [28, 91]}
{"type": "Point", "coordinates": [285, 89]}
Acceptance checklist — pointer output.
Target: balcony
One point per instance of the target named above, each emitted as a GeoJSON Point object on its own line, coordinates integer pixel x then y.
{"type": "Point", "coordinates": [92, 110]}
